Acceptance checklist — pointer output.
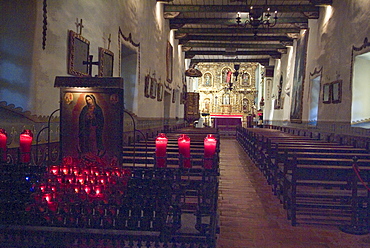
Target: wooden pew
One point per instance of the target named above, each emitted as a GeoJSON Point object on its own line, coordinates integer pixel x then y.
{"type": "Point", "coordinates": [321, 189]}
{"type": "Point", "coordinates": [320, 180]}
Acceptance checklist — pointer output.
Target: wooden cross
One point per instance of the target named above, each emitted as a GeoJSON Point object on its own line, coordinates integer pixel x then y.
{"type": "Point", "coordinates": [79, 25]}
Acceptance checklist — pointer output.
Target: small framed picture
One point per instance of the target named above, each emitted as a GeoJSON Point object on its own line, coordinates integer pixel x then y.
{"type": "Point", "coordinates": [147, 86]}
{"type": "Point", "coordinates": [78, 55]}
{"type": "Point", "coordinates": [105, 62]}
{"type": "Point", "coordinates": [336, 91]}
{"type": "Point", "coordinates": [326, 96]}
{"type": "Point", "coordinates": [153, 88]}
{"type": "Point", "coordinates": [160, 92]}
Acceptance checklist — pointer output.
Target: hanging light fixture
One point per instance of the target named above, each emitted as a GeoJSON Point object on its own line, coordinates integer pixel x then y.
{"type": "Point", "coordinates": [258, 16]}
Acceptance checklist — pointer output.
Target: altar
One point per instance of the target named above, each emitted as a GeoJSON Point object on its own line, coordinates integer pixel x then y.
{"type": "Point", "coordinates": [226, 124]}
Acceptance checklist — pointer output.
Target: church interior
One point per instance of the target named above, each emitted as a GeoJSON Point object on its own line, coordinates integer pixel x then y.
{"type": "Point", "coordinates": [184, 123]}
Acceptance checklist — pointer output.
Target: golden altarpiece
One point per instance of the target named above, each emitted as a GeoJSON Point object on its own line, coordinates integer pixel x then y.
{"type": "Point", "coordinates": [227, 89]}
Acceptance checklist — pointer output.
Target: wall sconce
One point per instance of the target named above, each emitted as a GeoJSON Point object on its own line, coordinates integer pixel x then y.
{"type": "Point", "coordinates": [3, 140]}
{"type": "Point", "coordinates": [25, 142]}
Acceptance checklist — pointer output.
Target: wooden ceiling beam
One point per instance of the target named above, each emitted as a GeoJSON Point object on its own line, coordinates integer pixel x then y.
{"type": "Point", "coordinates": [239, 8]}
{"type": "Point", "coordinates": [321, 2]}
{"type": "Point", "coordinates": [234, 45]}
{"type": "Point", "coordinates": [272, 53]}
{"type": "Point", "coordinates": [235, 38]}
{"type": "Point", "coordinates": [261, 61]}
{"type": "Point", "coordinates": [230, 21]}
{"type": "Point", "coordinates": [181, 31]}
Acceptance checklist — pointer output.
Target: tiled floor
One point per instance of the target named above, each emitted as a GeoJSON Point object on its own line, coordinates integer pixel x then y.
{"type": "Point", "coordinates": [251, 216]}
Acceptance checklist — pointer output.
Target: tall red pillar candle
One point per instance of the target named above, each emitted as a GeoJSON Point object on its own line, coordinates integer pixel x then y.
{"type": "Point", "coordinates": [184, 150]}
{"type": "Point", "coordinates": [25, 141]}
{"type": "Point", "coordinates": [3, 139]}
{"type": "Point", "coordinates": [160, 150]}
{"type": "Point", "coordinates": [210, 143]}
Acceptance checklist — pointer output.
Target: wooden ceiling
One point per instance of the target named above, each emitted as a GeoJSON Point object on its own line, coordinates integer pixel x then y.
{"type": "Point", "coordinates": [208, 30]}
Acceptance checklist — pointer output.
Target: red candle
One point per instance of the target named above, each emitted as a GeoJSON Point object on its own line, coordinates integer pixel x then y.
{"type": "Point", "coordinates": [65, 170]}
{"type": "Point", "coordinates": [47, 197]}
{"type": "Point", "coordinates": [210, 143]}
{"type": "Point", "coordinates": [80, 179]}
{"type": "Point", "coordinates": [160, 150]}
{"type": "Point", "coordinates": [3, 139]}
{"type": "Point", "coordinates": [184, 150]}
{"type": "Point", "coordinates": [102, 179]}
{"type": "Point", "coordinates": [25, 141]}
{"type": "Point", "coordinates": [42, 187]}
{"type": "Point", "coordinates": [98, 189]}
{"type": "Point", "coordinates": [87, 189]}
{"type": "Point", "coordinates": [54, 170]}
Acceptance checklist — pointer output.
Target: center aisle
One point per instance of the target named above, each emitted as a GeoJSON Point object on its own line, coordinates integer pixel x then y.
{"type": "Point", "coordinates": [251, 216]}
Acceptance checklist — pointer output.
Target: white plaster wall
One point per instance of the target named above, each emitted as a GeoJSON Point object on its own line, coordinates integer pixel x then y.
{"type": "Point", "coordinates": [100, 18]}
{"type": "Point", "coordinates": [331, 37]}
{"type": "Point", "coordinates": [283, 67]}
{"type": "Point", "coordinates": [340, 27]}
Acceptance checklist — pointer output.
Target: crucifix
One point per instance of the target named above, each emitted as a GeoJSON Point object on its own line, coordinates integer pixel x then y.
{"type": "Point", "coordinates": [79, 26]}
{"type": "Point", "coordinates": [90, 63]}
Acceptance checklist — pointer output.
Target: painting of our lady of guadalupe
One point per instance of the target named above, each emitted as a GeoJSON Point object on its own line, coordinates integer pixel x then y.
{"type": "Point", "coordinates": [91, 124]}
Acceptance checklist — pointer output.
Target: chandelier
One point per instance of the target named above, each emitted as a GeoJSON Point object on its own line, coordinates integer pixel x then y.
{"type": "Point", "coordinates": [258, 16]}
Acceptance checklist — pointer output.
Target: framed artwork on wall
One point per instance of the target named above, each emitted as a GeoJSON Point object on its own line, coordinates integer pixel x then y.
{"type": "Point", "coordinates": [77, 130]}
{"type": "Point", "coordinates": [160, 92]}
{"type": "Point", "coordinates": [147, 86]}
{"type": "Point", "coordinates": [78, 54]}
{"type": "Point", "coordinates": [169, 62]}
{"type": "Point", "coordinates": [153, 88]}
{"type": "Point", "coordinates": [326, 93]}
{"type": "Point", "coordinates": [336, 91]}
{"type": "Point", "coordinates": [105, 62]}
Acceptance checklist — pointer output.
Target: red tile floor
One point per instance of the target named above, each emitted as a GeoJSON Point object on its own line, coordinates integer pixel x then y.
{"type": "Point", "coordinates": [251, 216]}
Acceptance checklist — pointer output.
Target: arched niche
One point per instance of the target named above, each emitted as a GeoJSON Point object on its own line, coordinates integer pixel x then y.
{"type": "Point", "coordinates": [207, 79]}
{"type": "Point", "coordinates": [226, 75]}
{"type": "Point", "coordinates": [129, 70]}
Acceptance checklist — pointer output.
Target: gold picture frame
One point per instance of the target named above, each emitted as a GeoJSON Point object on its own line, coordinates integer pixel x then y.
{"type": "Point", "coordinates": [106, 58]}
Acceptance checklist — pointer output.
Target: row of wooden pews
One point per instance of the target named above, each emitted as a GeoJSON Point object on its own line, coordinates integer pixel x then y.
{"type": "Point", "coordinates": [314, 180]}
{"type": "Point", "coordinates": [194, 190]}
